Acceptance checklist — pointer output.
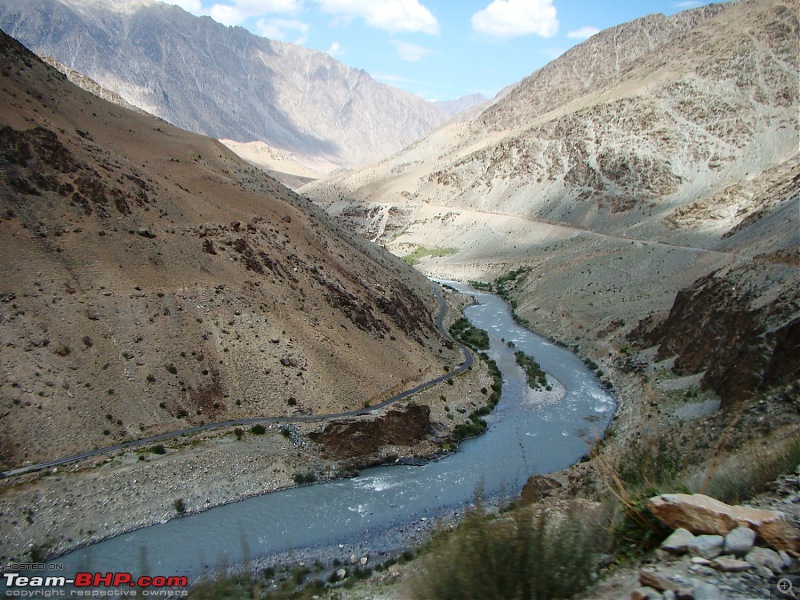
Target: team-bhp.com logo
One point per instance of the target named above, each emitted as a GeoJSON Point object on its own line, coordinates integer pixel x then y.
{"type": "Point", "coordinates": [94, 585]}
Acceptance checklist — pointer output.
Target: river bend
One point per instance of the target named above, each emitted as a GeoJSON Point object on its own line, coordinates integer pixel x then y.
{"type": "Point", "coordinates": [524, 437]}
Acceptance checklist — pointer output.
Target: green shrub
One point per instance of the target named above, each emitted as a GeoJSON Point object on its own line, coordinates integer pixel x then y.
{"type": "Point", "coordinates": [465, 333]}
{"type": "Point", "coordinates": [180, 506]}
{"type": "Point", "coordinates": [258, 429]}
{"type": "Point", "coordinates": [301, 478]}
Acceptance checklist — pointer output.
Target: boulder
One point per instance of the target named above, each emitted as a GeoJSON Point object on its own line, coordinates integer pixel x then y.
{"type": "Point", "coordinates": [740, 541]}
{"type": "Point", "coordinates": [538, 487]}
{"type": "Point", "coordinates": [705, 515]}
{"type": "Point", "coordinates": [706, 591]}
{"type": "Point", "coordinates": [646, 593]}
{"type": "Point", "coordinates": [727, 564]}
{"type": "Point", "coordinates": [651, 579]}
{"type": "Point", "coordinates": [678, 541]}
{"type": "Point", "coordinates": [707, 546]}
{"type": "Point", "coordinates": [764, 557]}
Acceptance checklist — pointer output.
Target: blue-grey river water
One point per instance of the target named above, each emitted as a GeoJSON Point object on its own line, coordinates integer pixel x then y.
{"type": "Point", "coordinates": [523, 438]}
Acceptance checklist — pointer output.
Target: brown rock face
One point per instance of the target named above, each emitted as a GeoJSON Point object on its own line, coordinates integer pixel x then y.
{"type": "Point", "coordinates": [740, 324]}
{"type": "Point", "coordinates": [537, 487]}
{"type": "Point", "coordinates": [704, 515]}
{"type": "Point", "coordinates": [401, 427]}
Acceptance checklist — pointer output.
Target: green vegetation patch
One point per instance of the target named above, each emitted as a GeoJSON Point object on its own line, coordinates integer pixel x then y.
{"type": "Point", "coordinates": [475, 426]}
{"type": "Point", "coordinates": [465, 333]}
{"type": "Point", "coordinates": [420, 252]}
{"type": "Point", "coordinates": [503, 286]}
{"type": "Point", "coordinates": [537, 378]}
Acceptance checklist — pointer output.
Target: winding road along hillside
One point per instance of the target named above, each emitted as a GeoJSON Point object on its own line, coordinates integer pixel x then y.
{"type": "Point", "coordinates": [466, 364]}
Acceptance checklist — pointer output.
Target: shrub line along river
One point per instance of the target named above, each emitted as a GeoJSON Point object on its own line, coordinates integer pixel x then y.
{"type": "Point", "coordinates": [524, 437]}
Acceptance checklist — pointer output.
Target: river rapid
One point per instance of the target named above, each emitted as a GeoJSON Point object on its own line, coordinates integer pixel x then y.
{"type": "Point", "coordinates": [376, 510]}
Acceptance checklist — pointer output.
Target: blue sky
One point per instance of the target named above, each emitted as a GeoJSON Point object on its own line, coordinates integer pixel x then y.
{"type": "Point", "coordinates": [437, 49]}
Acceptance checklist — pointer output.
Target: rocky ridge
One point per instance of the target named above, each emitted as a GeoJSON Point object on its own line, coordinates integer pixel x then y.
{"type": "Point", "coordinates": [717, 550]}
{"type": "Point", "coordinates": [618, 134]}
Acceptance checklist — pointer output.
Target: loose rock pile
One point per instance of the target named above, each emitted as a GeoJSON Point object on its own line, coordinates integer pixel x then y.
{"type": "Point", "coordinates": [720, 551]}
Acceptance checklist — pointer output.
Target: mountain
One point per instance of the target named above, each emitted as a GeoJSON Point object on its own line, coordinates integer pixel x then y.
{"type": "Point", "coordinates": [628, 170]}
{"type": "Point", "coordinates": [455, 107]}
{"type": "Point", "coordinates": [153, 280]}
{"type": "Point", "coordinates": [224, 81]}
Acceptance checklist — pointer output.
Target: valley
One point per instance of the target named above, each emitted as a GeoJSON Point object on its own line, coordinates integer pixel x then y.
{"type": "Point", "coordinates": [636, 202]}
{"type": "Point", "coordinates": [152, 282]}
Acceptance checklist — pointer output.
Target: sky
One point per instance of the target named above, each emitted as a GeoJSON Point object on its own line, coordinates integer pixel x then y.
{"type": "Point", "coordinates": [436, 49]}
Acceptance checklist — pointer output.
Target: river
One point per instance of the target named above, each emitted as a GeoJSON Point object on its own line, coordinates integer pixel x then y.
{"type": "Point", "coordinates": [523, 438]}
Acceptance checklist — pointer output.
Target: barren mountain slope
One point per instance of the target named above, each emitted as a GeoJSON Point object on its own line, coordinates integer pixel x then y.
{"type": "Point", "coordinates": [224, 81]}
{"type": "Point", "coordinates": [709, 107]}
{"type": "Point", "coordinates": [150, 279]}
{"type": "Point", "coordinates": [635, 166]}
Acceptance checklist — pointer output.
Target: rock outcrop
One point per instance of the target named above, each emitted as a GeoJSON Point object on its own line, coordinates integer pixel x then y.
{"type": "Point", "coordinates": [740, 324]}
{"type": "Point", "coordinates": [701, 514]}
{"type": "Point", "coordinates": [359, 438]}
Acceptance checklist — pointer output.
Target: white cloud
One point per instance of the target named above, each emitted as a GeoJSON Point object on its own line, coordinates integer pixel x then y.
{"type": "Point", "coordinates": [390, 15]}
{"type": "Point", "coordinates": [283, 29]}
{"type": "Point", "coordinates": [511, 18]}
{"type": "Point", "coordinates": [336, 49]}
{"type": "Point", "coordinates": [411, 52]}
{"type": "Point", "coordinates": [583, 33]}
{"type": "Point", "coordinates": [235, 12]}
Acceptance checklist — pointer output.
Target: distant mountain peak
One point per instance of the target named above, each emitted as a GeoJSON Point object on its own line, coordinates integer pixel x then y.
{"type": "Point", "coordinates": [459, 105]}
{"type": "Point", "coordinates": [225, 81]}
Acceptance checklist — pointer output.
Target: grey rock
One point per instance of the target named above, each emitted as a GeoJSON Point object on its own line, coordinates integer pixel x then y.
{"type": "Point", "coordinates": [678, 542]}
{"type": "Point", "coordinates": [707, 546]}
{"type": "Point", "coordinates": [727, 564]}
{"type": "Point", "coordinates": [740, 541]}
{"type": "Point", "coordinates": [765, 557]}
{"type": "Point", "coordinates": [764, 572]}
{"type": "Point", "coordinates": [706, 591]}
{"type": "Point", "coordinates": [788, 561]}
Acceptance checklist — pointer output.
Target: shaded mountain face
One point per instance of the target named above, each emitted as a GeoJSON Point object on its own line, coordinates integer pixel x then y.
{"type": "Point", "coordinates": [150, 280]}
{"type": "Point", "coordinates": [738, 326]}
{"type": "Point", "coordinates": [629, 169]}
{"type": "Point", "coordinates": [224, 81]}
